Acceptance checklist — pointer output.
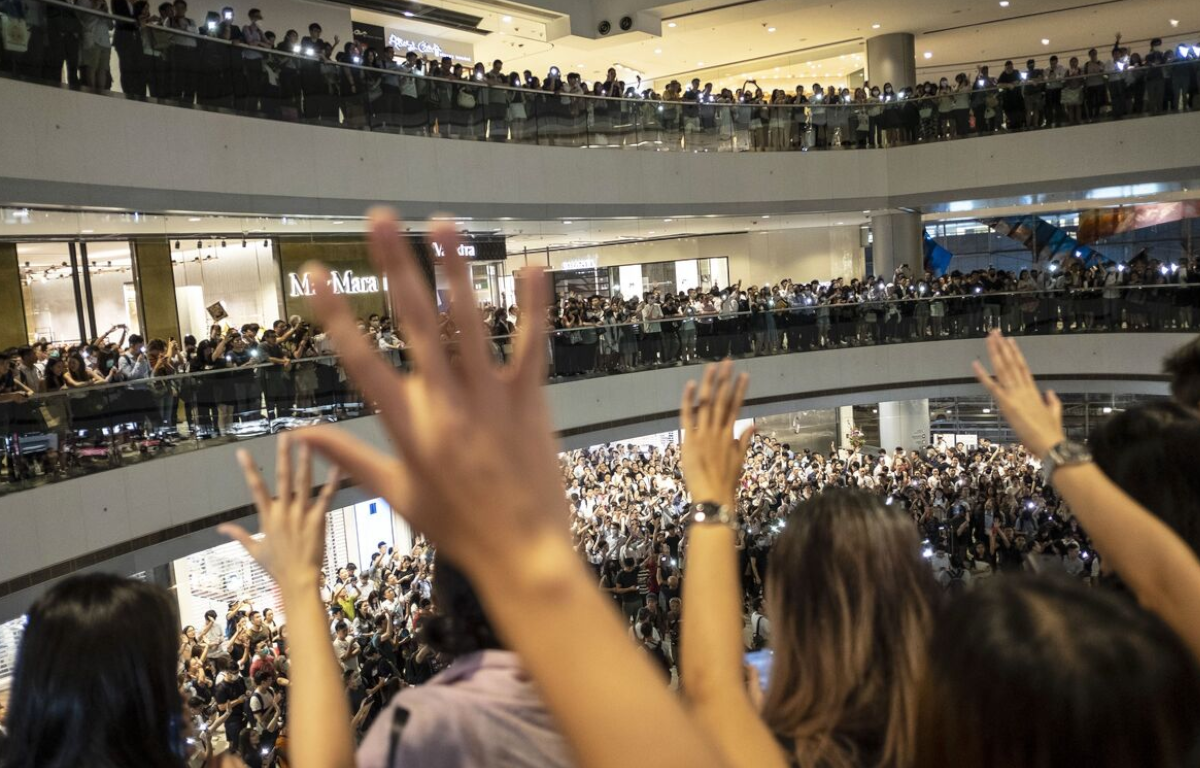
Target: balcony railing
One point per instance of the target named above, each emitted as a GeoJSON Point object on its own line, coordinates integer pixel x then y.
{"type": "Point", "coordinates": [79, 431]}
{"type": "Point", "coordinates": [300, 80]}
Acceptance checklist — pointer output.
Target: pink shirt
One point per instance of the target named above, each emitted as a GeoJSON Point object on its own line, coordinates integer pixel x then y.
{"type": "Point", "coordinates": [482, 711]}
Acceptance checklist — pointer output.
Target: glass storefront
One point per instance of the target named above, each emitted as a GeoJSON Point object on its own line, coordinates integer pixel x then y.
{"type": "Point", "coordinates": [636, 279]}
{"type": "Point", "coordinates": [239, 276]}
{"type": "Point", "coordinates": [74, 290]}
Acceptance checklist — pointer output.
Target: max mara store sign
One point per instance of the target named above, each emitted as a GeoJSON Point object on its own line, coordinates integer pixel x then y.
{"type": "Point", "coordinates": [350, 273]}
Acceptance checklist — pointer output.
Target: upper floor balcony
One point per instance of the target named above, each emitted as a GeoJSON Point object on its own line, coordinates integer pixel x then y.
{"type": "Point", "coordinates": [379, 132]}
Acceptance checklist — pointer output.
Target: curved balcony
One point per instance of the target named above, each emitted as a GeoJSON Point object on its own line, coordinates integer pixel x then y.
{"type": "Point", "coordinates": [75, 432]}
{"type": "Point", "coordinates": [167, 495]}
{"type": "Point", "coordinates": [379, 144]}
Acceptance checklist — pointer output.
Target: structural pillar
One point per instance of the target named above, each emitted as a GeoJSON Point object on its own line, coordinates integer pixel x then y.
{"type": "Point", "coordinates": [845, 423]}
{"type": "Point", "coordinates": [904, 424]}
{"type": "Point", "coordinates": [158, 312]}
{"type": "Point", "coordinates": [897, 240]}
{"type": "Point", "coordinates": [892, 59]}
{"type": "Point", "coordinates": [13, 330]}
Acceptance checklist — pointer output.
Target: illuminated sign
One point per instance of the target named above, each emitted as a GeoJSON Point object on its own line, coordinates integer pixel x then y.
{"type": "Point", "coordinates": [579, 264]}
{"type": "Point", "coordinates": [430, 48]}
{"type": "Point", "coordinates": [465, 250]}
{"type": "Point", "coordinates": [342, 282]}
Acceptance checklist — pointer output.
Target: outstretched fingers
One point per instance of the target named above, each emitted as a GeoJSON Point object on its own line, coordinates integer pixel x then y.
{"type": "Point", "coordinates": [473, 353]}
{"type": "Point", "coordinates": [255, 482]}
{"type": "Point", "coordinates": [533, 294]}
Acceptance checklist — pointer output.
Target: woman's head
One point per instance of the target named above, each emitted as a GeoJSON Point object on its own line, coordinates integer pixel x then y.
{"type": "Point", "coordinates": [1043, 673]}
{"type": "Point", "coordinates": [89, 691]}
{"type": "Point", "coordinates": [851, 606]}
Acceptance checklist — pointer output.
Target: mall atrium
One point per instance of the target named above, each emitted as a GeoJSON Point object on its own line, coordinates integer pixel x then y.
{"type": "Point", "coordinates": [863, 240]}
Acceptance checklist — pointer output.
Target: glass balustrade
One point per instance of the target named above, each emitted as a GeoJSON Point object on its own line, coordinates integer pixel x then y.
{"type": "Point", "coordinates": [69, 433]}
{"type": "Point", "coordinates": [212, 65]}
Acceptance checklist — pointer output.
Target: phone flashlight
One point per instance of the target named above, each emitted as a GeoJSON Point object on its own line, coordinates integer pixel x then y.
{"type": "Point", "coordinates": [310, 52]}
{"type": "Point", "coordinates": [356, 59]}
{"type": "Point", "coordinates": [1024, 75]}
{"type": "Point", "coordinates": [228, 14]}
{"type": "Point", "coordinates": [982, 82]}
{"type": "Point", "coordinates": [212, 25]}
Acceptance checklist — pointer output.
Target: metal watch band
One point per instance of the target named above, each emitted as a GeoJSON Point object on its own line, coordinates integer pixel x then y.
{"type": "Point", "coordinates": [711, 513]}
{"type": "Point", "coordinates": [1066, 453]}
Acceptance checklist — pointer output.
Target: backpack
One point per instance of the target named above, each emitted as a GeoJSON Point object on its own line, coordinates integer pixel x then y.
{"type": "Point", "coordinates": [251, 715]}
{"type": "Point", "coordinates": [757, 641]}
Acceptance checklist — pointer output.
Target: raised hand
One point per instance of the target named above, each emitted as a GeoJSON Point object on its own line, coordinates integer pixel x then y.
{"type": "Point", "coordinates": [474, 466]}
{"type": "Point", "coordinates": [293, 545]}
{"type": "Point", "coordinates": [711, 459]}
{"type": "Point", "coordinates": [1036, 419]}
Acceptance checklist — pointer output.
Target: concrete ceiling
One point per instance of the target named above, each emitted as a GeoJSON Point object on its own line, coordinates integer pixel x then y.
{"type": "Point", "coordinates": [725, 42]}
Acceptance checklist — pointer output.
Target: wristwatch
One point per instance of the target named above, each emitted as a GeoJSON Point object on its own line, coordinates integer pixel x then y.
{"type": "Point", "coordinates": [711, 513]}
{"type": "Point", "coordinates": [1064, 453]}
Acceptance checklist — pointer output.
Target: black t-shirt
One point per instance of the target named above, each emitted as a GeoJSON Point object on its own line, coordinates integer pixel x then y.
{"type": "Point", "coordinates": [627, 579]}
{"type": "Point", "coordinates": [228, 690]}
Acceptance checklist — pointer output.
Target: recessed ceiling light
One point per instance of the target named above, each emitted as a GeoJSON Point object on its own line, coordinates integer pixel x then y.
{"type": "Point", "coordinates": [1045, 41]}
{"type": "Point", "coordinates": [767, 216]}
{"type": "Point", "coordinates": [580, 65]}
{"type": "Point", "coordinates": [409, 14]}
{"type": "Point", "coordinates": [667, 221]}
{"type": "Point", "coordinates": [566, 222]}
{"type": "Point", "coordinates": [1174, 22]}
{"type": "Point", "coordinates": [770, 29]}
{"type": "Point", "coordinates": [699, 63]}
{"type": "Point", "coordinates": [1003, 3]}
{"type": "Point", "coordinates": [929, 54]}
{"type": "Point", "coordinates": [194, 218]}
{"type": "Point", "coordinates": [86, 231]}
{"type": "Point", "coordinates": [339, 222]}
{"type": "Point", "coordinates": [987, 410]}
{"type": "Point", "coordinates": [506, 19]}
{"type": "Point", "coordinates": [671, 24]}
{"type": "Point", "coordinates": [658, 50]}
{"type": "Point", "coordinates": [874, 26]}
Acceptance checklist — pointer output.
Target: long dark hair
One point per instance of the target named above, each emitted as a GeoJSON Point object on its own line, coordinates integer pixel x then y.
{"type": "Point", "coordinates": [95, 679]}
{"type": "Point", "coordinates": [1043, 672]}
{"type": "Point", "coordinates": [460, 625]}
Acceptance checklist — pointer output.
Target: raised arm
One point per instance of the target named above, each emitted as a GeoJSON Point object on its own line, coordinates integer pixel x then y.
{"type": "Point", "coordinates": [534, 586]}
{"type": "Point", "coordinates": [711, 668]}
{"type": "Point", "coordinates": [292, 550]}
{"type": "Point", "coordinates": [1151, 558]}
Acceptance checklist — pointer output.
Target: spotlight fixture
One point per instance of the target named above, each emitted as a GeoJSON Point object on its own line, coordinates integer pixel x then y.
{"type": "Point", "coordinates": [929, 54]}
{"type": "Point", "coordinates": [199, 245]}
{"type": "Point", "coordinates": [223, 244]}
{"type": "Point", "coordinates": [671, 24]}
{"type": "Point", "coordinates": [177, 245]}
{"type": "Point", "coordinates": [266, 244]}
{"type": "Point", "coordinates": [243, 242]}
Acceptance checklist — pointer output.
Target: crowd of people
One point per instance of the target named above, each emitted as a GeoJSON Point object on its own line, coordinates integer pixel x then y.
{"type": "Point", "coordinates": [293, 76]}
{"type": "Point", "coordinates": [870, 663]}
{"type": "Point", "coordinates": [254, 379]}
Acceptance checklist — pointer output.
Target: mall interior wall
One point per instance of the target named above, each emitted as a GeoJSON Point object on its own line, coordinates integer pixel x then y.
{"type": "Point", "coordinates": [810, 253]}
{"type": "Point", "coordinates": [12, 303]}
{"type": "Point", "coordinates": [76, 152]}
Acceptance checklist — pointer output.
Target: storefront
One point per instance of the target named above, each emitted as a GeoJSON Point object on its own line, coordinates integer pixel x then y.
{"type": "Point", "coordinates": [355, 277]}
{"type": "Point", "coordinates": [65, 291]}
{"type": "Point", "coordinates": [583, 276]}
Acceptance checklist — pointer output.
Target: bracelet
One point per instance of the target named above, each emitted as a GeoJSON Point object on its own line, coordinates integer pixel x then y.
{"type": "Point", "coordinates": [710, 513]}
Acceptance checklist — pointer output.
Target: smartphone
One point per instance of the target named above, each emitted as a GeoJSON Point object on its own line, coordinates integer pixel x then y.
{"type": "Point", "coordinates": [761, 661]}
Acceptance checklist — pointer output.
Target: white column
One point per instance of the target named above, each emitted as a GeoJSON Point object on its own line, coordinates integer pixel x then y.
{"type": "Point", "coordinates": [904, 424]}
{"type": "Point", "coordinates": [845, 423]}
{"type": "Point", "coordinates": [896, 241]}
{"type": "Point", "coordinates": [892, 59]}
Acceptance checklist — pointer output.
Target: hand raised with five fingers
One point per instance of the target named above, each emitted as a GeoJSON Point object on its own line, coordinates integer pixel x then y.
{"type": "Point", "coordinates": [293, 523]}
{"type": "Point", "coordinates": [475, 467]}
{"type": "Point", "coordinates": [1036, 419]}
{"type": "Point", "coordinates": [711, 459]}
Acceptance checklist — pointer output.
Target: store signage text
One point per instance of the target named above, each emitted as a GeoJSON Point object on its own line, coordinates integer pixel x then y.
{"type": "Point", "coordinates": [427, 48]}
{"type": "Point", "coordinates": [342, 282]}
{"type": "Point", "coordinates": [579, 264]}
{"type": "Point", "coordinates": [464, 250]}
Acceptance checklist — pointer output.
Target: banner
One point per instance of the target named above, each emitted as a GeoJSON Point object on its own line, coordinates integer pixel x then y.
{"type": "Point", "coordinates": [1098, 223]}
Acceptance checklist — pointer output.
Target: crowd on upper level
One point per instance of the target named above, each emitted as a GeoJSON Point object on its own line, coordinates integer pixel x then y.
{"type": "Point", "coordinates": [287, 372]}
{"type": "Point", "coordinates": [869, 664]}
{"type": "Point", "coordinates": [401, 90]}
